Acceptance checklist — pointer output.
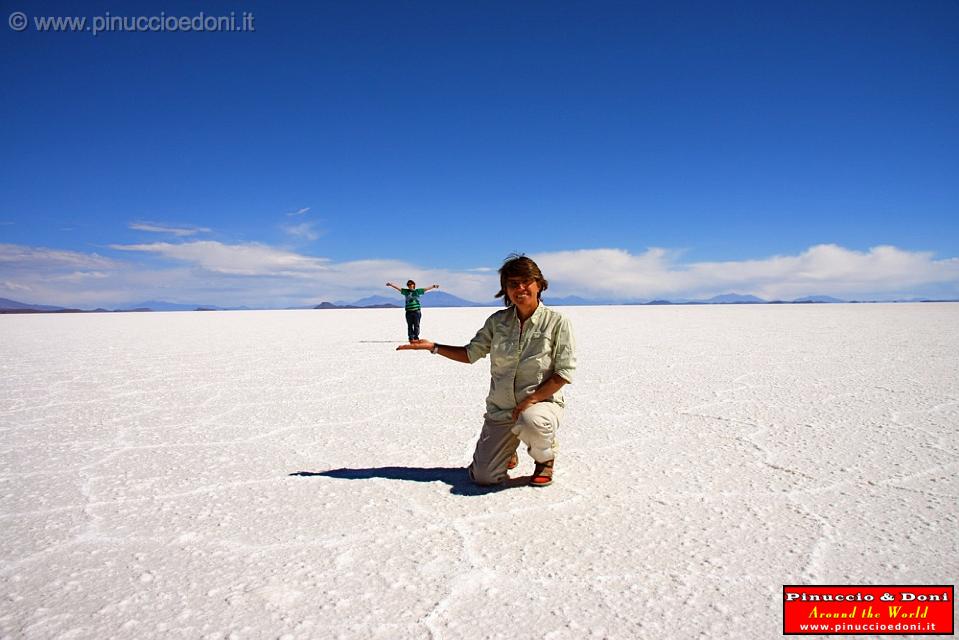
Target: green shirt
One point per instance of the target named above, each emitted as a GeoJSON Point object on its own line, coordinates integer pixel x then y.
{"type": "Point", "coordinates": [412, 298]}
{"type": "Point", "coordinates": [521, 361]}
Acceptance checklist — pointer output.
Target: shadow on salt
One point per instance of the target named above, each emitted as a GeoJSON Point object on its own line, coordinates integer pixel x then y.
{"type": "Point", "coordinates": [455, 477]}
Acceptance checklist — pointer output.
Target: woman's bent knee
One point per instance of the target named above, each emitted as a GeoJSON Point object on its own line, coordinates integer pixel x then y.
{"type": "Point", "coordinates": [536, 427]}
{"type": "Point", "coordinates": [484, 476]}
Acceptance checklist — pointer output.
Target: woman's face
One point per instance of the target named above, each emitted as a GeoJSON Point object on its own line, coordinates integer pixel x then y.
{"type": "Point", "coordinates": [410, 285]}
{"type": "Point", "coordinates": [522, 291]}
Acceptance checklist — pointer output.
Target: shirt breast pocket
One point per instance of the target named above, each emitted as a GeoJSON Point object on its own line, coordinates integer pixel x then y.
{"type": "Point", "coordinates": [540, 345]}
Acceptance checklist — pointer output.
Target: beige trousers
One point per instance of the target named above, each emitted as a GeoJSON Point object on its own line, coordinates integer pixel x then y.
{"type": "Point", "coordinates": [536, 428]}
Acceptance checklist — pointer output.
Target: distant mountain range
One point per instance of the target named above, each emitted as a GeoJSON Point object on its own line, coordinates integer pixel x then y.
{"type": "Point", "coordinates": [734, 298]}
{"type": "Point", "coordinates": [12, 305]}
{"type": "Point", "coordinates": [434, 298]}
{"type": "Point", "coordinates": [160, 305]}
{"type": "Point", "coordinates": [439, 299]}
{"type": "Point", "coordinates": [827, 299]}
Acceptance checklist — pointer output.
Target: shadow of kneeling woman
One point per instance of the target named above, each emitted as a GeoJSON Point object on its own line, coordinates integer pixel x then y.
{"type": "Point", "coordinates": [456, 477]}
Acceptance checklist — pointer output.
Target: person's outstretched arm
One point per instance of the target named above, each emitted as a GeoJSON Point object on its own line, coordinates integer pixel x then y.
{"type": "Point", "coordinates": [453, 353]}
{"type": "Point", "coordinates": [435, 286]}
{"type": "Point", "coordinates": [390, 284]}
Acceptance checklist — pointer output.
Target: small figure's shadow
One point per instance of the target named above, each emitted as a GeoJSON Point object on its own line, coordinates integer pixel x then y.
{"type": "Point", "coordinates": [456, 477]}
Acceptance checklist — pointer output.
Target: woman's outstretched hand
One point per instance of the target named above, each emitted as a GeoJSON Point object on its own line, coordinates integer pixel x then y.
{"type": "Point", "coordinates": [417, 345]}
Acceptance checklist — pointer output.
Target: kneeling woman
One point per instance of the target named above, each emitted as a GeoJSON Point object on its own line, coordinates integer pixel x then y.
{"type": "Point", "coordinates": [532, 357]}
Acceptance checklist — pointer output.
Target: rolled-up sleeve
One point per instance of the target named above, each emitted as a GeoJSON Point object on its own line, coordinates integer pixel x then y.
{"type": "Point", "coordinates": [479, 346]}
{"type": "Point", "coordinates": [564, 351]}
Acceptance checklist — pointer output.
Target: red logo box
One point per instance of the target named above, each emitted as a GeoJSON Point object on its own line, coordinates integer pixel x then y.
{"type": "Point", "coordinates": [869, 610]}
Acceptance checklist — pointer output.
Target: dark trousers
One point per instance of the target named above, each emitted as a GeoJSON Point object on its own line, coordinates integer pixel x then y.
{"type": "Point", "coordinates": [413, 324]}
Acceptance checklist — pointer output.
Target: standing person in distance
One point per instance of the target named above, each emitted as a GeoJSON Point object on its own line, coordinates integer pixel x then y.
{"type": "Point", "coordinates": [413, 308]}
{"type": "Point", "coordinates": [532, 357]}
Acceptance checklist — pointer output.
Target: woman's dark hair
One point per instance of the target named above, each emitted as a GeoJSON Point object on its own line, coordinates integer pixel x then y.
{"type": "Point", "coordinates": [519, 266]}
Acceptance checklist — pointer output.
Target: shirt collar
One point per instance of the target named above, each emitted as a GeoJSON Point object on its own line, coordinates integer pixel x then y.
{"type": "Point", "coordinates": [533, 319]}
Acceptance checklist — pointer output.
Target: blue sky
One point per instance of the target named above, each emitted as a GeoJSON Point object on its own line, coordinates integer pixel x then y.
{"type": "Point", "coordinates": [637, 150]}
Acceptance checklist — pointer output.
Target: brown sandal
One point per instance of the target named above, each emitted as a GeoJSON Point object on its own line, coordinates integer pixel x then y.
{"type": "Point", "coordinates": [513, 461]}
{"type": "Point", "coordinates": [542, 474]}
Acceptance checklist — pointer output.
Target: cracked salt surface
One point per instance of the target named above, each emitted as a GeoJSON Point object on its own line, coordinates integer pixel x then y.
{"type": "Point", "coordinates": [288, 475]}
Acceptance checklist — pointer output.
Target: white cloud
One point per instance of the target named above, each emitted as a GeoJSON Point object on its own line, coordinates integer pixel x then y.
{"type": "Point", "coordinates": [80, 276]}
{"type": "Point", "coordinates": [823, 269]}
{"type": "Point", "coordinates": [251, 259]}
{"type": "Point", "coordinates": [42, 259]}
{"type": "Point", "coordinates": [299, 212]}
{"type": "Point", "coordinates": [13, 286]}
{"type": "Point", "coordinates": [209, 272]}
{"type": "Point", "coordinates": [178, 231]}
{"type": "Point", "coordinates": [55, 275]}
{"type": "Point", "coordinates": [304, 230]}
